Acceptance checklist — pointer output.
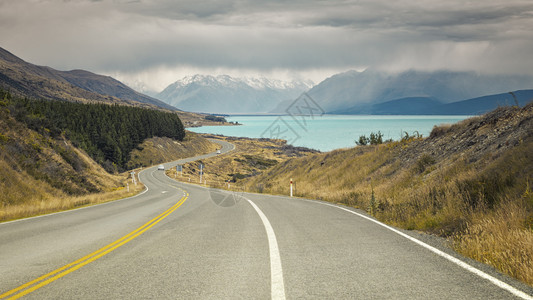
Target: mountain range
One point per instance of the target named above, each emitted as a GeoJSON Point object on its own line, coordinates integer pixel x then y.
{"type": "Point", "coordinates": [352, 92]}
{"type": "Point", "coordinates": [29, 80]}
{"type": "Point", "coordinates": [225, 94]}
{"type": "Point", "coordinates": [417, 92]}
{"type": "Point", "coordinates": [432, 106]}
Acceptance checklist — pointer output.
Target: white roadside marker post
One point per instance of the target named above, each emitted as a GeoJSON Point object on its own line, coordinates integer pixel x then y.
{"type": "Point", "coordinates": [291, 187]}
{"type": "Point", "coordinates": [133, 178]}
{"type": "Point", "coordinates": [201, 172]}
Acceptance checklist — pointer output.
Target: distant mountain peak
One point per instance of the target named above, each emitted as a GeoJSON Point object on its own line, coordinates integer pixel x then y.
{"type": "Point", "coordinates": [254, 82]}
{"type": "Point", "coordinates": [227, 94]}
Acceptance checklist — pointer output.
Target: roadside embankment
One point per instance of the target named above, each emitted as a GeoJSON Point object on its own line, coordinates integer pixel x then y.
{"type": "Point", "coordinates": [470, 182]}
{"type": "Point", "coordinates": [159, 150]}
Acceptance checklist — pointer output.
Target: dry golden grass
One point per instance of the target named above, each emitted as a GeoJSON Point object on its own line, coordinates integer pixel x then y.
{"type": "Point", "coordinates": [158, 150]}
{"type": "Point", "coordinates": [500, 239]}
{"type": "Point", "coordinates": [35, 179]}
{"type": "Point", "coordinates": [45, 202]}
{"type": "Point", "coordinates": [251, 157]}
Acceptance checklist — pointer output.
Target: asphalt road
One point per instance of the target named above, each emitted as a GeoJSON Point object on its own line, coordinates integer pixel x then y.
{"type": "Point", "coordinates": [180, 241]}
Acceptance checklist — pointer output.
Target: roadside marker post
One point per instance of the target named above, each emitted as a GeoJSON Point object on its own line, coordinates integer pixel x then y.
{"type": "Point", "coordinates": [291, 187]}
{"type": "Point", "coordinates": [201, 166]}
{"type": "Point", "coordinates": [179, 168]}
{"type": "Point", "coordinates": [133, 177]}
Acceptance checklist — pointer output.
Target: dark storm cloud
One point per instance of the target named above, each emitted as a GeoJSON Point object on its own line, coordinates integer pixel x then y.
{"type": "Point", "coordinates": [133, 36]}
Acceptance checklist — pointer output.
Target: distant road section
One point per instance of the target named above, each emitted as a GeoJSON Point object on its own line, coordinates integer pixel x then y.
{"type": "Point", "coordinates": [175, 242]}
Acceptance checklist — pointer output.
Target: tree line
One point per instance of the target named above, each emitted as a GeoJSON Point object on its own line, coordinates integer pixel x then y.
{"type": "Point", "coordinates": [108, 133]}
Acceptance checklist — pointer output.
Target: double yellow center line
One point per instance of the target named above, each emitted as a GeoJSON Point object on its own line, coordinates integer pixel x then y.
{"type": "Point", "coordinates": [73, 266]}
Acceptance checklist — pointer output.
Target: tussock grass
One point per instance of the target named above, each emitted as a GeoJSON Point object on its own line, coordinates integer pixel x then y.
{"type": "Point", "coordinates": [158, 150]}
{"type": "Point", "coordinates": [44, 203]}
{"type": "Point", "coordinates": [501, 240]}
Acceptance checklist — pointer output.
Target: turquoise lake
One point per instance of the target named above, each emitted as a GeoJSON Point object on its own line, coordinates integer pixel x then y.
{"type": "Point", "coordinates": [327, 132]}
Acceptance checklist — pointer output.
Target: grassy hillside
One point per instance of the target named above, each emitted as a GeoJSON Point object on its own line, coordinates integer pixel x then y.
{"type": "Point", "coordinates": [250, 158]}
{"type": "Point", "coordinates": [42, 170]}
{"type": "Point", "coordinates": [470, 182]}
{"type": "Point", "coordinates": [158, 150]}
{"type": "Point", "coordinates": [40, 174]}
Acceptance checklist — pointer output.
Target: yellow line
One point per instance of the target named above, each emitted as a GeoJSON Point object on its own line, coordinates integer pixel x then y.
{"type": "Point", "coordinates": [91, 257]}
{"type": "Point", "coordinates": [81, 259]}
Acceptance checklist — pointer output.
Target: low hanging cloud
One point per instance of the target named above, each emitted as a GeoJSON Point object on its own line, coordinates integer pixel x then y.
{"type": "Point", "coordinates": [132, 37]}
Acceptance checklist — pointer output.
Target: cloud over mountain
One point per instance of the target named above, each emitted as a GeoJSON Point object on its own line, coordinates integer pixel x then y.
{"type": "Point", "coordinates": [225, 94]}
{"type": "Point", "coordinates": [145, 39]}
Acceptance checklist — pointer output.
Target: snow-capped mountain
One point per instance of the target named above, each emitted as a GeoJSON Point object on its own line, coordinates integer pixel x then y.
{"type": "Point", "coordinates": [226, 94]}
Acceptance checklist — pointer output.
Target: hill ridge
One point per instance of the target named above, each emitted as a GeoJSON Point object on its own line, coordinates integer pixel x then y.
{"type": "Point", "coordinates": [29, 80]}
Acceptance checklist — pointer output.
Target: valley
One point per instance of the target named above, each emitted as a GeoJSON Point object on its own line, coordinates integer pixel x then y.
{"type": "Point", "coordinates": [76, 139]}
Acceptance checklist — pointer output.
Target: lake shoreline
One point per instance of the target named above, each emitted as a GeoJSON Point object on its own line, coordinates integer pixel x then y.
{"type": "Point", "coordinates": [328, 132]}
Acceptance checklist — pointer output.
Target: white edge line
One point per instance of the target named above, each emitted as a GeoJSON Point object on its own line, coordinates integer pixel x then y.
{"type": "Point", "coordinates": [80, 208]}
{"type": "Point", "coordinates": [452, 259]}
{"type": "Point", "coordinates": [276, 272]}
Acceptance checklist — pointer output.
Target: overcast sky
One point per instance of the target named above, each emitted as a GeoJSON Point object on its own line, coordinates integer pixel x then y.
{"type": "Point", "coordinates": [158, 42]}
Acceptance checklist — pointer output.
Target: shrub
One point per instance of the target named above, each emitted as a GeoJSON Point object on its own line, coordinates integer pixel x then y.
{"type": "Point", "coordinates": [439, 131]}
{"type": "Point", "coordinates": [363, 141]}
{"type": "Point", "coordinates": [374, 139]}
{"type": "Point", "coordinates": [423, 162]}
{"type": "Point", "coordinates": [215, 118]}
{"type": "Point", "coordinates": [3, 139]}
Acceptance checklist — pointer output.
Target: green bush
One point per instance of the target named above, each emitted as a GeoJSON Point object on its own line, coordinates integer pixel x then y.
{"type": "Point", "coordinates": [374, 139]}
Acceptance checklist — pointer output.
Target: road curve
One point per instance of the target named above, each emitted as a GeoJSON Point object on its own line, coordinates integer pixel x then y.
{"type": "Point", "coordinates": [180, 241]}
